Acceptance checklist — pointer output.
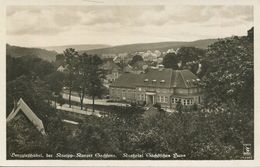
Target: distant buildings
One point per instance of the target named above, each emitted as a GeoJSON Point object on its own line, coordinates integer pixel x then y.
{"type": "Point", "coordinates": [113, 71]}
{"type": "Point", "coordinates": [164, 86]}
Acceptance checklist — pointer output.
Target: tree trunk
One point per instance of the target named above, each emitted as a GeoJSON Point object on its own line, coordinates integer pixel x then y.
{"type": "Point", "coordinates": [81, 103]}
{"type": "Point", "coordinates": [93, 103]}
{"type": "Point", "coordinates": [70, 98]}
{"type": "Point", "coordinates": [82, 98]}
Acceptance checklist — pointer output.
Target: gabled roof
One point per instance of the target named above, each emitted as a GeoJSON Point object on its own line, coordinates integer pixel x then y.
{"type": "Point", "coordinates": [110, 65]}
{"type": "Point", "coordinates": [61, 68]}
{"type": "Point", "coordinates": [184, 79]}
{"type": "Point", "coordinates": [23, 107]}
{"type": "Point", "coordinates": [164, 78]}
{"type": "Point", "coordinates": [126, 80]}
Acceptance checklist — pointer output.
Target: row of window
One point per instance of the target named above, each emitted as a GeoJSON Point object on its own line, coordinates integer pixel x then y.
{"type": "Point", "coordinates": [162, 99]}
{"type": "Point", "coordinates": [154, 81]}
{"type": "Point", "coordinates": [183, 101]}
{"type": "Point", "coordinates": [157, 90]}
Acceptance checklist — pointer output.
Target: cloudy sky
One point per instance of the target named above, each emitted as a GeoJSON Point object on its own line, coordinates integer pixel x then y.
{"type": "Point", "coordinates": [115, 25]}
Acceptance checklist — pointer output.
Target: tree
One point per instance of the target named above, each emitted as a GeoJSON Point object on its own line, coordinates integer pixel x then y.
{"type": "Point", "coordinates": [55, 81]}
{"type": "Point", "coordinates": [95, 77]}
{"type": "Point", "coordinates": [229, 85]}
{"type": "Point", "coordinates": [30, 66]}
{"type": "Point", "coordinates": [81, 82]}
{"type": "Point", "coordinates": [60, 59]}
{"type": "Point", "coordinates": [230, 76]}
{"type": "Point", "coordinates": [71, 58]}
{"type": "Point", "coordinates": [189, 54]}
{"type": "Point", "coordinates": [170, 61]}
{"type": "Point", "coordinates": [190, 57]}
{"type": "Point", "coordinates": [135, 59]}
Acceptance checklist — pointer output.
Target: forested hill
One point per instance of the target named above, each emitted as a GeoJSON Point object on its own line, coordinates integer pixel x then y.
{"type": "Point", "coordinates": [16, 51]}
{"type": "Point", "coordinates": [162, 46]}
{"type": "Point", "coordinates": [60, 49]}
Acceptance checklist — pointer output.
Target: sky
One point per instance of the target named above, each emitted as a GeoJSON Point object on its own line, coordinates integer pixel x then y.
{"type": "Point", "coordinates": [34, 26]}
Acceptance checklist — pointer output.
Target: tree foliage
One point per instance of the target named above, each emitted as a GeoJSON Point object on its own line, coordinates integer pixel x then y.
{"type": "Point", "coordinates": [135, 59]}
{"type": "Point", "coordinates": [71, 61]}
{"type": "Point", "coordinates": [230, 77]}
{"type": "Point", "coordinates": [171, 61]}
{"type": "Point", "coordinates": [96, 76]}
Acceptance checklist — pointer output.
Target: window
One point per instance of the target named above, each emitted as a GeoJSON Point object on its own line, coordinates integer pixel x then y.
{"type": "Point", "coordinates": [124, 93]}
{"type": "Point", "coordinates": [143, 97]}
{"type": "Point", "coordinates": [184, 101]}
{"type": "Point", "coordinates": [162, 81]}
{"type": "Point", "coordinates": [162, 100]}
{"type": "Point", "coordinates": [166, 99]}
{"type": "Point", "coordinates": [175, 100]}
{"type": "Point", "coordinates": [188, 101]}
{"type": "Point", "coordinates": [191, 101]}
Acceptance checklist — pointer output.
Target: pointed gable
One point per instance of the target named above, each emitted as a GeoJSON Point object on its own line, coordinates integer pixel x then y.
{"type": "Point", "coordinates": [23, 107]}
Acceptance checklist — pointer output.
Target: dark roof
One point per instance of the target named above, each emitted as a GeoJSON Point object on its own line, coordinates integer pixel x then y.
{"type": "Point", "coordinates": [126, 80]}
{"type": "Point", "coordinates": [164, 78]}
{"type": "Point", "coordinates": [110, 65]}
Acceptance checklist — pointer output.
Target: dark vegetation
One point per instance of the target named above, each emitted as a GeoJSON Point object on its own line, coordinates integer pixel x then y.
{"type": "Point", "coordinates": [216, 130]}
{"type": "Point", "coordinates": [16, 51]}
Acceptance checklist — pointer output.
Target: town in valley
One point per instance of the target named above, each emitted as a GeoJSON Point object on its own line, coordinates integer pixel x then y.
{"type": "Point", "coordinates": [180, 100]}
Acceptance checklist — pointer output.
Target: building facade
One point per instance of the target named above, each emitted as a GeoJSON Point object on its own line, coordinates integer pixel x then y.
{"type": "Point", "coordinates": [163, 86]}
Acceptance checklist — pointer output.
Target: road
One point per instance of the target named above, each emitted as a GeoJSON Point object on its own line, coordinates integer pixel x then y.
{"type": "Point", "coordinates": [89, 101]}
{"type": "Point", "coordinates": [76, 109]}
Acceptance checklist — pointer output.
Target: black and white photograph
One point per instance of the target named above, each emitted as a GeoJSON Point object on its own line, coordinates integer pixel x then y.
{"type": "Point", "coordinates": [129, 82]}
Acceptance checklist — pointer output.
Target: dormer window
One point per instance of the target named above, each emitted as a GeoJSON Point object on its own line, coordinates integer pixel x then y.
{"type": "Point", "coordinates": [154, 80]}
{"type": "Point", "coordinates": [162, 81]}
{"type": "Point", "coordinates": [146, 80]}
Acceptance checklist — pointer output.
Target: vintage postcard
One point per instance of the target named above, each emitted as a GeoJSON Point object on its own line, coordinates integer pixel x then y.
{"type": "Point", "coordinates": [109, 83]}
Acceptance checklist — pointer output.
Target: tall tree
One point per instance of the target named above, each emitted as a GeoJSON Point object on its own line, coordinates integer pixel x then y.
{"type": "Point", "coordinates": [71, 58]}
{"type": "Point", "coordinates": [82, 74]}
{"type": "Point", "coordinates": [95, 77]}
{"type": "Point", "coordinates": [230, 75]}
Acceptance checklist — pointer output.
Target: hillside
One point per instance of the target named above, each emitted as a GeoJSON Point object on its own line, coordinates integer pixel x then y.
{"type": "Point", "coordinates": [60, 49]}
{"type": "Point", "coordinates": [49, 53]}
{"type": "Point", "coordinates": [17, 51]}
{"type": "Point", "coordinates": [162, 46]}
